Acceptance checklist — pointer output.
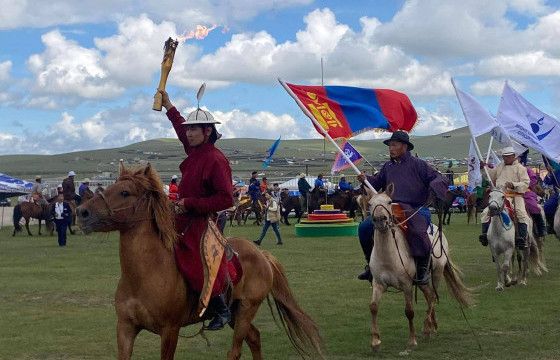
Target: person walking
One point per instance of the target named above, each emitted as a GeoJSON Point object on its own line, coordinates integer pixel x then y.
{"type": "Point", "coordinates": [272, 218]}
{"type": "Point", "coordinates": [62, 217]}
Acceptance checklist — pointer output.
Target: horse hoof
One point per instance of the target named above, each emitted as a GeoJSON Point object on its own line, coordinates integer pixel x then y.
{"type": "Point", "coordinates": [523, 283]}
{"type": "Point", "coordinates": [513, 282]}
{"type": "Point", "coordinates": [412, 346]}
{"type": "Point", "coordinates": [500, 288]}
{"type": "Point", "coordinates": [376, 348]}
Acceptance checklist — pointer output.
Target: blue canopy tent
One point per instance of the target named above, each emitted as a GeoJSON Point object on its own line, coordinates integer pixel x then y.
{"type": "Point", "coordinates": [11, 186]}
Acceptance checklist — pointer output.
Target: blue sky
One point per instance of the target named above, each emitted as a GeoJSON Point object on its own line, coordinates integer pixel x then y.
{"type": "Point", "coordinates": [79, 75]}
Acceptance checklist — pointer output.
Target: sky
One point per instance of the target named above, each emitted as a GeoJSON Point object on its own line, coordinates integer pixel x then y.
{"type": "Point", "coordinates": [81, 75]}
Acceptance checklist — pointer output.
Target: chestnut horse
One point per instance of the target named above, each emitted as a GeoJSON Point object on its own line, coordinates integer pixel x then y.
{"type": "Point", "coordinates": [152, 293]}
{"type": "Point", "coordinates": [29, 210]}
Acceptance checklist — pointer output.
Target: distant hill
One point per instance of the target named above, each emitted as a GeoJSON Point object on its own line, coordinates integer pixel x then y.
{"type": "Point", "coordinates": [291, 158]}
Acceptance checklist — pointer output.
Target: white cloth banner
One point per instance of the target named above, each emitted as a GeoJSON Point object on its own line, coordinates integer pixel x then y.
{"type": "Point", "coordinates": [495, 159]}
{"type": "Point", "coordinates": [500, 135]}
{"type": "Point", "coordinates": [473, 168]}
{"type": "Point", "coordinates": [478, 118]}
{"type": "Point", "coordinates": [528, 124]}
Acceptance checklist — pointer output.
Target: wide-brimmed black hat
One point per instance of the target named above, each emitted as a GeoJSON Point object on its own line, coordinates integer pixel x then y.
{"type": "Point", "coordinates": [400, 136]}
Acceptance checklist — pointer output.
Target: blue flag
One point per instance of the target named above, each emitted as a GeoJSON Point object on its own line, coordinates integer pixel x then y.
{"type": "Point", "coordinates": [340, 162]}
{"type": "Point", "coordinates": [271, 152]}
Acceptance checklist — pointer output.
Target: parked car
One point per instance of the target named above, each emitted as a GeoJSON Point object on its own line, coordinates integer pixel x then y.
{"type": "Point", "coordinates": [5, 202]}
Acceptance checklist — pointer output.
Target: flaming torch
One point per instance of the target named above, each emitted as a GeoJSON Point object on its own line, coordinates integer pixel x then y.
{"type": "Point", "coordinates": [168, 55]}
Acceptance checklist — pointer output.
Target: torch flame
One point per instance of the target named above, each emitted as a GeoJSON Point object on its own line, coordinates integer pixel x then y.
{"type": "Point", "coordinates": [199, 33]}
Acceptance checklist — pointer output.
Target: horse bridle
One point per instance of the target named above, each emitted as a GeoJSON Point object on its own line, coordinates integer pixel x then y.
{"type": "Point", "coordinates": [134, 206]}
{"type": "Point", "coordinates": [500, 208]}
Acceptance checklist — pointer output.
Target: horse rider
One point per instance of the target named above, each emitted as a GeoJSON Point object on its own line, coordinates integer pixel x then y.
{"type": "Point", "coordinates": [173, 189]}
{"type": "Point", "coordinates": [99, 189]}
{"type": "Point", "coordinates": [276, 192]}
{"type": "Point", "coordinates": [255, 193]}
{"type": "Point", "coordinates": [319, 182]}
{"type": "Point", "coordinates": [413, 180]}
{"type": "Point", "coordinates": [68, 187]}
{"type": "Point", "coordinates": [204, 190]}
{"type": "Point", "coordinates": [83, 187]}
{"type": "Point", "coordinates": [550, 205]}
{"type": "Point", "coordinates": [513, 176]}
{"type": "Point", "coordinates": [303, 187]}
{"type": "Point", "coordinates": [264, 185]}
{"type": "Point", "coordinates": [344, 185]}
{"type": "Point", "coordinates": [530, 197]}
{"type": "Point", "coordinates": [37, 192]}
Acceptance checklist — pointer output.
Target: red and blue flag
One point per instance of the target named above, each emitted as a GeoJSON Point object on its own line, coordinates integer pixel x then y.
{"type": "Point", "coordinates": [340, 162]}
{"type": "Point", "coordinates": [345, 111]}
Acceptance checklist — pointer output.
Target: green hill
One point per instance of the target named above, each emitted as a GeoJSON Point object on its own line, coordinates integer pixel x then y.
{"type": "Point", "coordinates": [291, 158]}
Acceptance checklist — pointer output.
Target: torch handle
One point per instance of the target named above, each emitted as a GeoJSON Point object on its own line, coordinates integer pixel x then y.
{"type": "Point", "coordinates": [163, 80]}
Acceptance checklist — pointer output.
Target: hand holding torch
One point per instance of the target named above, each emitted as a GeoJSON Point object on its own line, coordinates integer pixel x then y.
{"type": "Point", "coordinates": [168, 55]}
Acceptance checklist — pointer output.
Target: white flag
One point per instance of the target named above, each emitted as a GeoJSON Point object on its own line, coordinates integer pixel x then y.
{"type": "Point", "coordinates": [473, 168]}
{"type": "Point", "coordinates": [501, 136]}
{"type": "Point", "coordinates": [495, 159]}
{"type": "Point", "coordinates": [518, 148]}
{"type": "Point", "coordinates": [478, 118]}
{"type": "Point", "coordinates": [528, 124]}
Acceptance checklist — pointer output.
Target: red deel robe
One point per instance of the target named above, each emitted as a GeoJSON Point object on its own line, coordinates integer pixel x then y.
{"type": "Point", "coordinates": [206, 188]}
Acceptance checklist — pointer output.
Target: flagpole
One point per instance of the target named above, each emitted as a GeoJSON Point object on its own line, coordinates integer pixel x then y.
{"type": "Point", "coordinates": [325, 133]}
{"type": "Point", "coordinates": [476, 148]}
{"type": "Point", "coordinates": [489, 149]}
{"type": "Point", "coordinates": [547, 164]}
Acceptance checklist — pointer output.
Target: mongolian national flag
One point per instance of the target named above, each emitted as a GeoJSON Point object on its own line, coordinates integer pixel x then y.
{"type": "Point", "coordinates": [345, 111]}
{"type": "Point", "coordinates": [271, 152]}
{"type": "Point", "coordinates": [340, 162]}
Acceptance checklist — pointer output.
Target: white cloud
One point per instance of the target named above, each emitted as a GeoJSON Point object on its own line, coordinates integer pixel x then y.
{"type": "Point", "coordinates": [39, 13]}
{"type": "Point", "coordinates": [536, 63]}
{"type": "Point", "coordinates": [5, 68]}
{"type": "Point", "coordinates": [494, 87]}
{"type": "Point", "coordinates": [69, 69]}
{"type": "Point", "coordinates": [435, 122]}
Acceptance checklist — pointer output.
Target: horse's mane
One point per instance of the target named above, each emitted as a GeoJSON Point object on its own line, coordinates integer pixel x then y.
{"type": "Point", "coordinates": [148, 182]}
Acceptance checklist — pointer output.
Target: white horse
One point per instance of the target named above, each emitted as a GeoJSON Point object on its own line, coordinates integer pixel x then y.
{"type": "Point", "coordinates": [392, 265]}
{"type": "Point", "coordinates": [501, 237]}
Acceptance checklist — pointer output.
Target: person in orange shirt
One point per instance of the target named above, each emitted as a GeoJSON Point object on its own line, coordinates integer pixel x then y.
{"type": "Point", "coordinates": [173, 189]}
{"type": "Point", "coordinates": [264, 185]}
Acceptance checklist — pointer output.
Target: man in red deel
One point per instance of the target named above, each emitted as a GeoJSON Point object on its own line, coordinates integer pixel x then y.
{"type": "Point", "coordinates": [205, 189]}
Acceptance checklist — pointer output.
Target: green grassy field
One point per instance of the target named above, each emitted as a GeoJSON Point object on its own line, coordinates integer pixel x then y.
{"type": "Point", "coordinates": [57, 303]}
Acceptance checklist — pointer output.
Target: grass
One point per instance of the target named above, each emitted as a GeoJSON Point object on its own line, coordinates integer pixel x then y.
{"type": "Point", "coordinates": [57, 303]}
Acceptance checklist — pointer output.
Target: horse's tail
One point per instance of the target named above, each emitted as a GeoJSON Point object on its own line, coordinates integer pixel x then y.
{"type": "Point", "coordinates": [462, 294]}
{"type": "Point", "coordinates": [302, 331]}
{"type": "Point", "coordinates": [17, 217]}
{"type": "Point", "coordinates": [536, 261]}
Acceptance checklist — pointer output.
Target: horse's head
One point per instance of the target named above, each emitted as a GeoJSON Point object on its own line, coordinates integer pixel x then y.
{"type": "Point", "coordinates": [382, 212]}
{"type": "Point", "coordinates": [137, 196]}
{"type": "Point", "coordinates": [496, 201]}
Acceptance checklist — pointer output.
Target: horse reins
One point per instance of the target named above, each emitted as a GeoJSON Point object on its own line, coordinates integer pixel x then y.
{"type": "Point", "coordinates": [134, 206]}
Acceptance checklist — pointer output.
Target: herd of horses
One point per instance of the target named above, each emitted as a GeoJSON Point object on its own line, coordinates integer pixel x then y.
{"type": "Point", "coordinates": [152, 294]}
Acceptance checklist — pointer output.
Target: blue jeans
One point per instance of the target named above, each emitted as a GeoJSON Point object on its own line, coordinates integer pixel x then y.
{"type": "Point", "coordinates": [274, 227]}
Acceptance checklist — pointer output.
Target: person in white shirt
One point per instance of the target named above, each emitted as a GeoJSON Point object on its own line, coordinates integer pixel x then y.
{"type": "Point", "coordinates": [62, 216]}
{"type": "Point", "coordinates": [272, 218]}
